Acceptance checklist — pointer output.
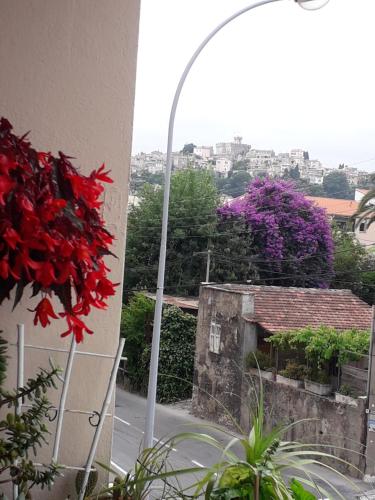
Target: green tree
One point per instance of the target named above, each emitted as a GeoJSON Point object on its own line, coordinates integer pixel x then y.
{"type": "Point", "coordinates": [305, 187]}
{"type": "Point", "coordinates": [177, 347]}
{"type": "Point", "coordinates": [353, 266]}
{"type": "Point", "coordinates": [240, 165]}
{"type": "Point", "coordinates": [314, 190]}
{"type": "Point", "coordinates": [192, 222]}
{"type": "Point", "coordinates": [295, 173]}
{"type": "Point", "coordinates": [21, 435]}
{"type": "Point", "coordinates": [136, 327]}
{"type": "Point", "coordinates": [349, 259]}
{"type": "Point", "coordinates": [235, 184]}
{"type": "Point", "coordinates": [231, 259]}
{"type": "Point", "coordinates": [139, 180]}
{"type": "Point", "coordinates": [176, 355]}
{"type": "Point", "coordinates": [336, 185]}
{"type": "Point", "coordinates": [188, 149]}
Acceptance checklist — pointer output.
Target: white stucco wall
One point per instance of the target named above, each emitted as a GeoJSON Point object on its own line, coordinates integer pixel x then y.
{"type": "Point", "coordinates": [68, 75]}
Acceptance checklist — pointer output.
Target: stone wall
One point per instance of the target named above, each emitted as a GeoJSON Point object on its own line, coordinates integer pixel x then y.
{"type": "Point", "coordinates": [334, 424]}
{"type": "Point", "coordinates": [218, 377]}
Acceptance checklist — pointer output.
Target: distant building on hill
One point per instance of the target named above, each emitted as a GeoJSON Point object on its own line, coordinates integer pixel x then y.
{"type": "Point", "coordinates": [204, 151]}
{"type": "Point", "coordinates": [232, 149]}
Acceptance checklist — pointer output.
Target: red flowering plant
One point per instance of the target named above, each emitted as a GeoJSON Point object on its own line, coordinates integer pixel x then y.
{"type": "Point", "coordinates": [52, 236]}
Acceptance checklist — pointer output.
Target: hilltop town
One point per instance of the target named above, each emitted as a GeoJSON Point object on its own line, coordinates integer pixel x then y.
{"type": "Point", "coordinates": [236, 155]}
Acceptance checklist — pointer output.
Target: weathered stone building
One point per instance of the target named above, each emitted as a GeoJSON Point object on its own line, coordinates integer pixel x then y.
{"type": "Point", "coordinates": [234, 320]}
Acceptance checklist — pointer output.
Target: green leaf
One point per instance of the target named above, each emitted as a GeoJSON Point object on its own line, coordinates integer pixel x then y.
{"type": "Point", "coordinates": [299, 492]}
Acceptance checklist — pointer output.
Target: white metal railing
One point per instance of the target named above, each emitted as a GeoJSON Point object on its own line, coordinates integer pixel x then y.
{"type": "Point", "coordinates": [61, 409]}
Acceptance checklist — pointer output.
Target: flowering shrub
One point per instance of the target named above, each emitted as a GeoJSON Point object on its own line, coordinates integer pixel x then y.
{"type": "Point", "coordinates": [51, 234]}
{"type": "Point", "coordinates": [291, 237]}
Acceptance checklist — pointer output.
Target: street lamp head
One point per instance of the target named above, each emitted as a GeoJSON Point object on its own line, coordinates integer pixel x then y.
{"type": "Point", "coordinates": [312, 4]}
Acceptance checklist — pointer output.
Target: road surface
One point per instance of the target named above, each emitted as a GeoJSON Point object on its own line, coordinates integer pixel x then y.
{"type": "Point", "coordinates": [128, 435]}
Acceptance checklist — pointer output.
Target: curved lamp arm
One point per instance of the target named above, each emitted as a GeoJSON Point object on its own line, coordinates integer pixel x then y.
{"type": "Point", "coordinates": [151, 395]}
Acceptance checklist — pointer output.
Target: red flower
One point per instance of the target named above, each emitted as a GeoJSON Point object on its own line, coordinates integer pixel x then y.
{"type": "Point", "coordinates": [25, 204]}
{"type": "Point", "coordinates": [45, 274]}
{"type": "Point", "coordinates": [83, 253]}
{"type": "Point", "coordinates": [76, 326]}
{"type": "Point", "coordinates": [6, 184]}
{"type": "Point", "coordinates": [66, 249]}
{"type": "Point", "coordinates": [106, 288]}
{"type": "Point", "coordinates": [51, 233]}
{"type": "Point", "coordinates": [43, 312]}
{"type": "Point", "coordinates": [6, 270]}
{"type": "Point", "coordinates": [65, 270]}
{"type": "Point", "coordinates": [100, 175]}
{"type": "Point", "coordinates": [51, 208]}
{"type": "Point", "coordinates": [11, 237]}
{"type": "Point", "coordinates": [45, 159]}
{"type": "Point", "coordinates": [23, 261]}
{"type": "Point", "coordinates": [6, 164]}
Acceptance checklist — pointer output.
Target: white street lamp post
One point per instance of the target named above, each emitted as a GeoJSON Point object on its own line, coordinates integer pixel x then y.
{"type": "Point", "coordinates": [153, 375]}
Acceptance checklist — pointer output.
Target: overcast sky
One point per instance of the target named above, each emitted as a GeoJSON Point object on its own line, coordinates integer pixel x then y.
{"type": "Point", "coordinates": [279, 76]}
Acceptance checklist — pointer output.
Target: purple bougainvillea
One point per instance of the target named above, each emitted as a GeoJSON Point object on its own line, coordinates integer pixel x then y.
{"type": "Point", "coordinates": [291, 237]}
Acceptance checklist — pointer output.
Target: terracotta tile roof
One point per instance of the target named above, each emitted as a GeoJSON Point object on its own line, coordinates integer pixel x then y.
{"type": "Point", "coordinates": [284, 308]}
{"type": "Point", "coordinates": [334, 206]}
{"type": "Point", "coordinates": [181, 302]}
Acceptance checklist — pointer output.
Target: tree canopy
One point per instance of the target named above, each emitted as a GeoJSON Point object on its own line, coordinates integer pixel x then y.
{"type": "Point", "coordinates": [188, 149]}
{"type": "Point", "coordinates": [336, 185]}
{"type": "Point", "coordinates": [235, 184]}
{"type": "Point", "coordinates": [353, 266]}
{"type": "Point", "coordinates": [177, 347]}
{"type": "Point", "coordinates": [192, 222]}
{"type": "Point", "coordinates": [289, 239]}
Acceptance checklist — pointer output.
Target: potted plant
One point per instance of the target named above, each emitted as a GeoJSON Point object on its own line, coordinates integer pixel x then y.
{"type": "Point", "coordinates": [53, 238]}
{"type": "Point", "coordinates": [345, 395]}
{"type": "Point", "coordinates": [292, 375]}
{"type": "Point", "coordinates": [259, 362]}
{"type": "Point", "coordinates": [318, 382]}
{"type": "Point", "coordinates": [321, 346]}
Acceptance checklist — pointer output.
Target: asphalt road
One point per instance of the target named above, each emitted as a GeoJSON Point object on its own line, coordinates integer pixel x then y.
{"type": "Point", "coordinates": [128, 435]}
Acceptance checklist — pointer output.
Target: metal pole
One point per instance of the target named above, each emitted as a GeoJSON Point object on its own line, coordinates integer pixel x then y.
{"type": "Point", "coordinates": [370, 356]}
{"type": "Point", "coordinates": [370, 406]}
{"type": "Point", "coordinates": [152, 384]}
{"type": "Point", "coordinates": [20, 379]}
{"type": "Point", "coordinates": [20, 363]}
{"type": "Point", "coordinates": [98, 430]}
{"type": "Point", "coordinates": [208, 266]}
{"type": "Point", "coordinates": [64, 392]}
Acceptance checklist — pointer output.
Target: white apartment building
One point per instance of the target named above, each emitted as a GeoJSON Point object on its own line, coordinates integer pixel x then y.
{"type": "Point", "coordinates": [204, 152]}
{"type": "Point", "coordinates": [299, 154]}
{"type": "Point", "coordinates": [260, 154]}
{"type": "Point", "coordinates": [315, 176]}
{"type": "Point", "coordinates": [223, 166]}
{"type": "Point", "coordinates": [153, 162]}
{"type": "Point", "coordinates": [351, 174]}
{"type": "Point", "coordinates": [155, 168]}
{"type": "Point", "coordinates": [180, 161]}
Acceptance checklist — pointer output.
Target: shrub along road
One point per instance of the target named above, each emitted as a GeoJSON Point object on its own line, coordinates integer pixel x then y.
{"type": "Point", "coordinates": [128, 435]}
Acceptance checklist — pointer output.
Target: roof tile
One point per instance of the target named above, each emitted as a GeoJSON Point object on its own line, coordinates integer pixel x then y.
{"type": "Point", "coordinates": [282, 308]}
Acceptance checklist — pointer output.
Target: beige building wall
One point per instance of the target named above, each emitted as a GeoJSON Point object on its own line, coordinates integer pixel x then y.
{"type": "Point", "coordinates": [365, 234]}
{"type": "Point", "coordinates": [68, 75]}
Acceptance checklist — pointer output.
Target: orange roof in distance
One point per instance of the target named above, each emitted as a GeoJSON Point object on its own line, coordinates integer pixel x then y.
{"type": "Point", "coordinates": [334, 206]}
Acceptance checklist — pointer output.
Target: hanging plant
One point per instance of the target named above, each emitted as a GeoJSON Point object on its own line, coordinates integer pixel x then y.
{"type": "Point", "coordinates": [52, 236]}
